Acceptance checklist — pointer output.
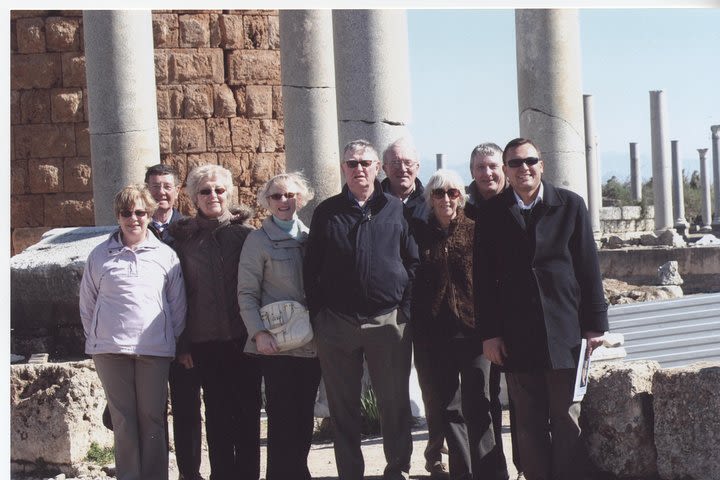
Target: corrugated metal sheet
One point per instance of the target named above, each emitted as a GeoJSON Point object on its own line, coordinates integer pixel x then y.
{"type": "Point", "coordinates": [672, 332]}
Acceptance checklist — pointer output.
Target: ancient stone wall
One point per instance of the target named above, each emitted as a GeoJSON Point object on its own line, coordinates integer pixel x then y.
{"type": "Point", "coordinates": [218, 97]}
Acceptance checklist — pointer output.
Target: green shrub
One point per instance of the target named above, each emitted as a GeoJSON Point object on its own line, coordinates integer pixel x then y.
{"type": "Point", "coordinates": [370, 413]}
{"type": "Point", "coordinates": [100, 455]}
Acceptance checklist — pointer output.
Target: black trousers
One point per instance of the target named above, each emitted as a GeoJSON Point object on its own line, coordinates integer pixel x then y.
{"type": "Point", "coordinates": [433, 411]}
{"type": "Point", "coordinates": [458, 378]}
{"type": "Point", "coordinates": [291, 385]}
{"type": "Point", "coordinates": [187, 421]}
{"type": "Point", "coordinates": [231, 392]}
{"type": "Point", "coordinates": [496, 413]}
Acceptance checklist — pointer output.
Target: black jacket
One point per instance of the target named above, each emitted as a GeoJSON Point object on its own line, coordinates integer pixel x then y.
{"type": "Point", "coordinates": [539, 289]}
{"type": "Point", "coordinates": [359, 261]}
{"type": "Point", "coordinates": [416, 206]}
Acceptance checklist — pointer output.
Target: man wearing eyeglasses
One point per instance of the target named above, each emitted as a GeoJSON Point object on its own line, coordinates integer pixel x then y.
{"type": "Point", "coordinates": [539, 292]}
{"type": "Point", "coordinates": [401, 166]}
{"type": "Point", "coordinates": [163, 181]}
{"type": "Point", "coordinates": [359, 265]}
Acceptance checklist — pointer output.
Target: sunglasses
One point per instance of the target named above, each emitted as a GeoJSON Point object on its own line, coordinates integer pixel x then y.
{"type": "Point", "coordinates": [355, 163]}
{"type": "Point", "coordinates": [517, 162]}
{"type": "Point", "coordinates": [279, 196]}
{"type": "Point", "coordinates": [129, 213]}
{"type": "Point", "coordinates": [452, 193]}
{"type": "Point", "coordinates": [208, 191]}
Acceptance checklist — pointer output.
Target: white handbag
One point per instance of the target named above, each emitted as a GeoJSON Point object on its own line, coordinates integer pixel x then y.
{"type": "Point", "coordinates": [289, 322]}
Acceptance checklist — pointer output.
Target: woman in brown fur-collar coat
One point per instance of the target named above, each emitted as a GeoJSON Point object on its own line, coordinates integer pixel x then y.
{"type": "Point", "coordinates": [448, 354]}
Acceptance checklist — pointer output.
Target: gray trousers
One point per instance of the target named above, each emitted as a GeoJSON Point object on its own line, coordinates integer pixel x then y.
{"type": "Point", "coordinates": [136, 391]}
{"type": "Point", "coordinates": [548, 432]}
{"type": "Point", "coordinates": [343, 341]}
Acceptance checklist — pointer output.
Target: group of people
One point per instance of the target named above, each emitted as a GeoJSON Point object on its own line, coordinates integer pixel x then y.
{"type": "Point", "coordinates": [499, 276]}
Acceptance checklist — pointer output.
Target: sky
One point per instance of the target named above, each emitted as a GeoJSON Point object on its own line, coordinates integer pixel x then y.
{"type": "Point", "coordinates": [464, 81]}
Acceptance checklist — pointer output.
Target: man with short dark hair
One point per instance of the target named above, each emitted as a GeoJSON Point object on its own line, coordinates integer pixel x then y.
{"type": "Point", "coordinates": [539, 292]}
{"type": "Point", "coordinates": [359, 265]}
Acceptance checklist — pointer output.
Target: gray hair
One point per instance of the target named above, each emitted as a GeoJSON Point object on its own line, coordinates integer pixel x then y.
{"type": "Point", "coordinates": [204, 172]}
{"type": "Point", "coordinates": [445, 179]}
{"type": "Point", "coordinates": [402, 144]}
{"type": "Point", "coordinates": [358, 145]}
{"type": "Point", "coordinates": [301, 188]}
{"type": "Point", "coordinates": [487, 149]}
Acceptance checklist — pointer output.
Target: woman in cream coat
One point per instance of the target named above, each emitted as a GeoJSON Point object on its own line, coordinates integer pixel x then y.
{"type": "Point", "coordinates": [270, 270]}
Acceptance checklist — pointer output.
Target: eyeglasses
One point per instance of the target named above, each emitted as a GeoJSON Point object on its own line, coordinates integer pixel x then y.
{"type": "Point", "coordinates": [162, 186]}
{"type": "Point", "coordinates": [396, 164]}
{"type": "Point", "coordinates": [517, 162]}
{"type": "Point", "coordinates": [452, 193]}
{"type": "Point", "coordinates": [208, 191]}
{"type": "Point", "coordinates": [354, 163]}
{"type": "Point", "coordinates": [129, 213]}
{"type": "Point", "coordinates": [279, 196]}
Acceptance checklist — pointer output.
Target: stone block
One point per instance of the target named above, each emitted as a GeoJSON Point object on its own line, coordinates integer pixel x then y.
{"type": "Point", "coordinates": [239, 95]}
{"type": "Point", "coordinates": [63, 34]}
{"type": "Point", "coordinates": [56, 413]}
{"type": "Point", "coordinates": [224, 101]}
{"type": "Point", "coordinates": [687, 421]}
{"type": "Point", "coordinates": [272, 138]}
{"type": "Point", "coordinates": [195, 160]}
{"type": "Point", "coordinates": [267, 165]}
{"type": "Point", "coordinates": [259, 101]}
{"type": "Point", "coordinates": [67, 105]}
{"type": "Point", "coordinates": [671, 239]}
{"type": "Point", "coordinates": [165, 30]}
{"type": "Point", "coordinates": [35, 70]}
{"type": "Point", "coordinates": [58, 140]}
{"type": "Point", "coordinates": [253, 67]}
{"type": "Point", "coordinates": [182, 136]}
{"type": "Point", "coordinates": [82, 138]}
{"type": "Point", "coordinates": [194, 30]}
{"type": "Point", "coordinates": [610, 213]}
{"type": "Point", "coordinates": [230, 28]}
{"type": "Point", "coordinates": [73, 70]}
{"type": "Point", "coordinates": [631, 212]}
{"type": "Point", "coordinates": [245, 135]}
{"type": "Point", "coordinates": [215, 30]}
{"type": "Point", "coordinates": [668, 274]}
{"type": "Point", "coordinates": [13, 37]}
{"type": "Point", "coordinates": [77, 173]}
{"type": "Point", "coordinates": [204, 65]}
{"type": "Point", "coordinates": [30, 34]}
{"type": "Point", "coordinates": [23, 238]}
{"type": "Point", "coordinates": [26, 211]}
{"type": "Point", "coordinates": [273, 32]}
{"type": "Point", "coordinates": [18, 177]}
{"type": "Point", "coordinates": [69, 209]}
{"type": "Point", "coordinates": [198, 101]}
{"type": "Point", "coordinates": [648, 240]}
{"type": "Point", "coordinates": [35, 106]}
{"type": "Point", "coordinates": [617, 418]}
{"type": "Point", "coordinates": [17, 14]}
{"type": "Point", "coordinates": [256, 32]}
{"type": "Point", "coordinates": [179, 161]}
{"type": "Point", "coordinates": [15, 113]}
{"type": "Point", "coordinates": [169, 101]}
{"type": "Point", "coordinates": [277, 103]}
{"type": "Point", "coordinates": [162, 67]}
{"type": "Point", "coordinates": [240, 164]}
{"type": "Point", "coordinates": [45, 175]}
{"type": "Point", "coordinates": [218, 135]}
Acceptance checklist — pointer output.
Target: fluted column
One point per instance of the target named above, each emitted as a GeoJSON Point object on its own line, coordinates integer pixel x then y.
{"type": "Point", "coordinates": [678, 188]}
{"type": "Point", "coordinates": [120, 71]}
{"type": "Point", "coordinates": [662, 172]}
{"type": "Point", "coordinates": [705, 191]}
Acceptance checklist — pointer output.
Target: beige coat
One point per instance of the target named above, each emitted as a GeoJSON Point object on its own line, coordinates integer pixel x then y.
{"type": "Point", "coordinates": [270, 270]}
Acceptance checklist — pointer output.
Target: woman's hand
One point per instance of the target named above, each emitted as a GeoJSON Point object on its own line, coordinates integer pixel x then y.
{"type": "Point", "coordinates": [265, 343]}
{"type": "Point", "coordinates": [185, 359]}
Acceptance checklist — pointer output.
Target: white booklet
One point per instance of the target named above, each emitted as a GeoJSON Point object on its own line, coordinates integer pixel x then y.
{"type": "Point", "coordinates": [583, 372]}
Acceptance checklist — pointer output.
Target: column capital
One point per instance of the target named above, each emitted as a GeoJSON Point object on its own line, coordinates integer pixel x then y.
{"type": "Point", "coordinates": [702, 152]}
{"type": "Point", "coordinates": [715, 129]}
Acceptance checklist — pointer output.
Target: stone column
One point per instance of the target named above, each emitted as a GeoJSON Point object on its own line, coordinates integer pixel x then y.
{"type": "Point", "coordinates": [310, 113]}
{"type": "Point", "coordinates": [549, 92]}
{"type": "Point", "coordinates": [715, 130]}
{"type": "Point", "coordinates": [372, 75]}
{"type": "Point", "coordinates": [705, 182]}
{"type": "Point", "coordinates": [662, 187]}
{"type": "Point", "coordinates": [120, 71]}
{"type": "Point", "coordinates": [635, 175]}
{"type": "Point", "coordinates": [677, 188]}
{"type": "Point", "coordinates": [594, 187]}
{"type": "Point", "coordinates": [440, 160]}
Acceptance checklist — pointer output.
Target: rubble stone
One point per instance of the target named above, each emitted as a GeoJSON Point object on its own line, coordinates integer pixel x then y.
{"type": "Point", "coordinates": [46, 175]}
{"type": "Point", "coordinates": [63, 34]}
{"type": "Point", "coordinates": [30, 35]}
{"type": "Point", "coordinates": [67, 105]}
{"type": "Point", "coordinates": [256, 32]}
{"type": "Point", "coordinates": [77, 174]}
{"type": "Point", "coordinates": [668, 274]}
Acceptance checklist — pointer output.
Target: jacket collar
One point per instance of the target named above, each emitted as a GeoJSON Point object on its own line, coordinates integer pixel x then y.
{"type": "Point", "coordinates": [551, 198]}
{"type": "Point", "coordinates": [376, 201]}
{"type": "Point", "coordinates": [277, 234]}
{"type": "Point", "coordinates": [115, 245]}
{"type": "Point", "coordinates": [417, 192]}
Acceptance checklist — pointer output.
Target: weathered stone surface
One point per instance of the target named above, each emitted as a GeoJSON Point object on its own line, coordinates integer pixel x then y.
{"type": "Point", "coordinates": [170, 101]}
{"type": "Point", "coordinates": [67, 105]}
{"type": "Point", "coordinates": [218, 135]}
{"type": "Point", "coordinates": [77, 174]}
{"type": "Point", "coordinates": [37, 70]}
{"type": "Point", "coordinates": [182, 136]}
{"type": "Point", "coordinates": [256, 32]}
{"type": "Point", "coordinates": [649, 240]}
{"type": "Point", "coordinates": [82, 138]}
{"type": "Point", "coordinates": [73, 70]}
{"type": "Point", "coordinates": [668, 274]}
{"type": "Point", "coordinates": [63, 34]}
{"type": "Point", "coordinates": [259, 101]}
{"type": "Point", "coordinates": [62, 210]}
{"type": "Point", "coordinates": [162, 67]}
{"type": "Point", "coordinates": [240, 166]}
{"type": "Point", "coordinates": [671, 239]}
{"type": "Point", "coordinates": [618, 292]}
{"type": "Point", "coordinates": [26, 211]}
{"type": "Point", "coordinates": [194, 30]}
{"type": "Point", "coordinates": [35, 106]}
{"type": "Point", "coordinates": [708, 239]}
{"type": "Point", "coordinates": [45, 175]}
{"type": "Point", "coordinates": [56, 413]}
{"type": "Point", "coordinates": [224, 101]}
{"type": "Point", "coordinates": [179, 161]}
{"type": "Point", "coordinates": [197, 101]}
{"type": "Point", "coordinates": [195, 160]}
{"type": "Point", "coordinates": [14, 107]}
{"type": "Point", "coordinates": [18, 177]}
{"type": "Point", "coordinates": [687, 421]}
{"type": "Point", "coordinates": [23, 238]}
{"type": "Point", "coordinates": [271, 136]}
{"type": "Point", "coordinates": [277, 103]}
{"type": "Point", "coordinates": [617, 418]}
{"type": "Point", "coordinates": [204, 65]}
{"type": "Point", "coordinates": [239, 94]}
{"type": "Point", "coordinates": [231, 31]}
{"type": "Point", "coordinates": [253, 67]}
{"type": "Point", "coordinates": [30, 35]}
{"type": "Point", "coordinates": [613, 241]}
{"type": "Point", "coordinates": [631, 212]}
{"type": "Point", "coordinates": [165, 30]}
{"type": "Point", "coordinates": [58, 141]}
{"type": "Point", "coordinates": [267, 165]}
{"type": "Point", "coordinates": [273, 32]}
{"type": "Point", "coordinates": [245, 135]}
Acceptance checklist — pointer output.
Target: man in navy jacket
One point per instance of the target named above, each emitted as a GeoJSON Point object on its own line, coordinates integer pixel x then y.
{"type": "Point", "coordinates": [539, 292]}
{"type": "Point", "coordinates": [359, 265]}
